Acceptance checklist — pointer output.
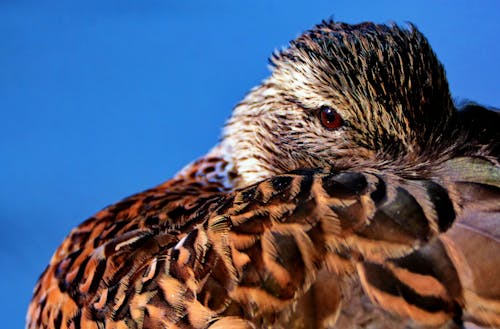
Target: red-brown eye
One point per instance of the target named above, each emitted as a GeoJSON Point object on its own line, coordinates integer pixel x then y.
{"type": "Point", "coordinates": [330, 118]}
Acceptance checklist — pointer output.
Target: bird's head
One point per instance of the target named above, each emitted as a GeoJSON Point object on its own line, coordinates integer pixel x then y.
{"type": "Point", "coordinates": [342, 96]}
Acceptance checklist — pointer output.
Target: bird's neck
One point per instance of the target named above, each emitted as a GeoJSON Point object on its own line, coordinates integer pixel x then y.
{"type": "Point", "coordinates": [214, 169]}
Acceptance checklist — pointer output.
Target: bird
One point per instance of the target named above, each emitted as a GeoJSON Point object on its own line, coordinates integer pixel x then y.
{"type": "Point", "coordinates": [348, 190]}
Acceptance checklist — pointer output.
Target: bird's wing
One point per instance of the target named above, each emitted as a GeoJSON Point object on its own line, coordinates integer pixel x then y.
{"type": "Point", "coordinates": [458, 273]}
{"type": "Point", "coordinates": [196, 258]}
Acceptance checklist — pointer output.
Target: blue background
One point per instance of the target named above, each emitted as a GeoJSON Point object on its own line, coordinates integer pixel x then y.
{"type": "Point", "coordinates": [100, 99]}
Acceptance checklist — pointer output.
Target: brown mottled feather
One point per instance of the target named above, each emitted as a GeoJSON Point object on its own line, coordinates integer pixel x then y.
{"type": "Point", "coordinates": [270, 228]}
{"type": "Point", "coordinates": [248, 253]}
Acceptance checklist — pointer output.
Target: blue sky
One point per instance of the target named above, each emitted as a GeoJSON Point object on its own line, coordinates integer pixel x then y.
{"type": "Point", "coordinates": [102, 99]}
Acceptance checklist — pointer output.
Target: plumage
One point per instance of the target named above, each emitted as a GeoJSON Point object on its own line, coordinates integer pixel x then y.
{"type": "Point", "coordinates": [273, 226]}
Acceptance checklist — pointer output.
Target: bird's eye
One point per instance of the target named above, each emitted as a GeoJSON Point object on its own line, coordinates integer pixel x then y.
{"type": "Point", "coordinates": [330, 118]}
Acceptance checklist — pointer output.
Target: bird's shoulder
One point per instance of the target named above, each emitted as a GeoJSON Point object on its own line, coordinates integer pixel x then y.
{"type": "Point", "coordinates": [89, 268]}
